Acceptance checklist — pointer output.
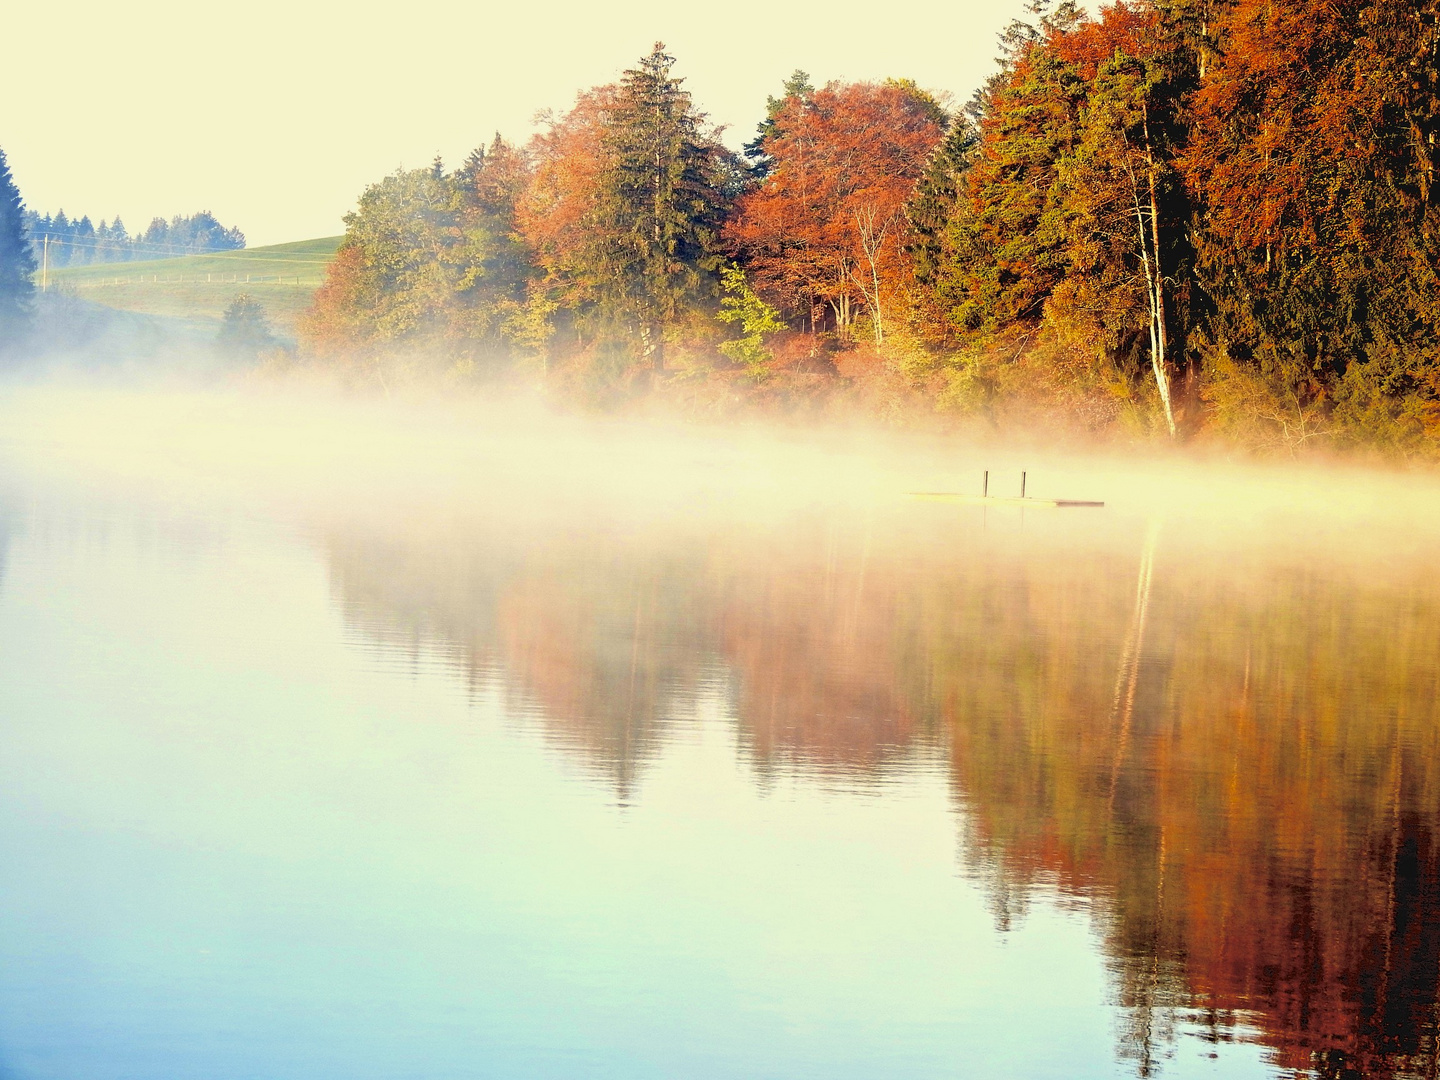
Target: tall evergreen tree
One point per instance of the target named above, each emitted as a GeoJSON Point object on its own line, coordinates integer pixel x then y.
{"type": "Point", "coordinates": [930, 210]}
{"type": "Point", "coordinates": [17, 263]}
{"type": "Point", "coordinates": [1006, 236]}
{"type": "Point", "coordinates": [664, 187]}
{"type": "Point", "coordinates": [494, 264]}
{"type": "Point", "coordinates": [798, 87]}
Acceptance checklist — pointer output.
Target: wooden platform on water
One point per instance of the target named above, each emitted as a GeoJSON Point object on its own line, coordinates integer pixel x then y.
{"type": "Point", "coordinates": [999, 500]}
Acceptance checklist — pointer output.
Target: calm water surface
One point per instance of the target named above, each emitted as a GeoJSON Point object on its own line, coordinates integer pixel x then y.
{"type": "Point", "coordinates": [479, 790]}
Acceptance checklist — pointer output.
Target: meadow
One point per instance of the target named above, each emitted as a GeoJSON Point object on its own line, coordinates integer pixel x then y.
{"type": "Point", "coordinates": [283, 277]}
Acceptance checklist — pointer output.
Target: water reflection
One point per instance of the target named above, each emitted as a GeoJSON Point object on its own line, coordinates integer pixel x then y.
{"type": "Point", "coordinates": [1228, 755]}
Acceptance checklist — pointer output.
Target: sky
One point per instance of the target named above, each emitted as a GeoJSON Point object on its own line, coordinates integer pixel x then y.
{"type": "Point", "coordinates": [275, 115]}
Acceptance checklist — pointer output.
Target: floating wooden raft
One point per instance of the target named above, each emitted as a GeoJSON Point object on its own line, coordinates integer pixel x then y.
{"type": "Point", "coordinates": [999, 500]}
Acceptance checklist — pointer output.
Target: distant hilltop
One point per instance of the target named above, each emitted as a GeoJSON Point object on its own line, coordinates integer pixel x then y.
{"type": "Point", "coordinates": [64, 241]}
{"type": "Point", "coordinates": [281, 277]}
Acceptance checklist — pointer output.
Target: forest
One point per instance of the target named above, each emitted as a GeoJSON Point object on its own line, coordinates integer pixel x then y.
{"type": "Point", "coordinates": [1177, 219]}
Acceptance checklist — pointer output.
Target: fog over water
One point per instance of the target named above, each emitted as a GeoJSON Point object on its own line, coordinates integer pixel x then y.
{"type": "Point", "coordinates": [376, 739]}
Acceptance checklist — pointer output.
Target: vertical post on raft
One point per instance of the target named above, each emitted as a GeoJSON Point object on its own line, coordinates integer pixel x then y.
{"type": "Point", "coordinates": [985, 489]}
{"type": "Point", "coordinates": [1022, 485]}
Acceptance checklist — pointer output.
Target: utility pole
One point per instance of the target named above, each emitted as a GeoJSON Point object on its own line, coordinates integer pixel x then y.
{"type": "Point", "coordinates": [44, 264]}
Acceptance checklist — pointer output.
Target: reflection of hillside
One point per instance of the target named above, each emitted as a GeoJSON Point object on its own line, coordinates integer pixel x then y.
{"type": "Point", "coordinates": [1234, 763]}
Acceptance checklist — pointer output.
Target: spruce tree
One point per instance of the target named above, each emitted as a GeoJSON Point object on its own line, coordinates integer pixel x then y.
{"type": "Point", "coordinates": [1006, 245]}
{"type": "Point", "coordinates": [663, 193]}
{"type": "Point", "coordinates": [798, 87]}
{"type": "Point", "coordinates": [17, 262]}
{"type": "Point", "coordinates": [933, 205]}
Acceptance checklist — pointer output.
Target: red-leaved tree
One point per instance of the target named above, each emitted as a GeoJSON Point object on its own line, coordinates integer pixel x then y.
{"type": "Point", "coordinates": [826, 229]}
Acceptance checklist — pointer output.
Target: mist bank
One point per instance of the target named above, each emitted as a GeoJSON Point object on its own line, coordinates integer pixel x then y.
{"type": "Point", "coordinates": [313, 447]}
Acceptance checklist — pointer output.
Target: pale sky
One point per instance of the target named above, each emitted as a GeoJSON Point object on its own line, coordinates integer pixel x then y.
{"type": "Point", "coordinates": [275, 115]}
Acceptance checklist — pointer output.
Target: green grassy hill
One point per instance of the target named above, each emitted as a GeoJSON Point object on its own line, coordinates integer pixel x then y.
{"type": "Point", "coordinates": [283, 277]}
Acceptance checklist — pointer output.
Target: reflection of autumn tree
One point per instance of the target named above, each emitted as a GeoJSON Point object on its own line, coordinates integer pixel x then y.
{"type": "Point", "coordinates": [810, 649]}
{"type": "Point", "coordinates": [1259, 830]}
{"type": "Point", "coordinates": [605, 649]}
{"type": "Point", "coordinates": [596, 648]}
{"type": "Point", "coordinates": [1232, 762]}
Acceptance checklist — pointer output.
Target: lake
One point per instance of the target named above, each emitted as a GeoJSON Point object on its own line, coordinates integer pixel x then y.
{"type": "Point", "coordinates": [336, 744]}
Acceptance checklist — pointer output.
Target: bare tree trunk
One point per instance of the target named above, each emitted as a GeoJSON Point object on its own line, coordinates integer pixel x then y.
{"type": "Point", "coordinates": [652, 346]}
{"type": "Point", "coordinates": [1154, 281]}
{"type": "Point", "coordinates": [1161, 319]}
{"type": "Point", "coordinates": [872, 240]}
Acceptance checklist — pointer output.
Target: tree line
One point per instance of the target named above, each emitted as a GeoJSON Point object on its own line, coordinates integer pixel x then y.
{"type": "Point", "coordinates": [80, 242]}
{"type": "Point", "coordinates": [27, 238]}
{"type": "Point", "coordinates": [1175, 216]}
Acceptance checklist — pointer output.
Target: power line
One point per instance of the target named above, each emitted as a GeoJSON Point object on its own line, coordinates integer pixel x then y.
{"type": "Point", "coordinates": [130, 242]}
{"type": "Point", "coordinates": [225, 253]}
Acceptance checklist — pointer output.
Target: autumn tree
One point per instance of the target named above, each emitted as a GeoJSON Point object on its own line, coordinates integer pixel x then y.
{"type": "Point", "coordinates": [430, 261]}
{"type": "Point", "coordinates": [826, 228]}
{"type": "Point", "coordinates": [394, 276]}
{"type": "Point", "coordinates": [17, 264]}
{"type": "Point", "coordinates": [630, 192]}
{"type": "Point", "coordinates": [661, 197]}
{"type": "Point", "coordinates": [556, 214]}
{"type": "Point", "coordinates": [1313, 154]}
{"type": "Point", "coordinates": [1070, 211]}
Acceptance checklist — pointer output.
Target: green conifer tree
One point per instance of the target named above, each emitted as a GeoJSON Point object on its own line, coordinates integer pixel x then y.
{"type": "Point", "coordinates": [934, 203]}
{"type": "Point", "coordinates": [662, 195]}
{"type": "Point", "coordinates": [1008, 249]}
{"type": "Point", "coordinates": [798, 87]}
{"type": "Point", "coordinates": [17, 262]}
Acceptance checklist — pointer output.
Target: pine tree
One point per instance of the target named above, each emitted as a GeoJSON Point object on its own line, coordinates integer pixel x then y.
{"type": "Point", "coordinates": [930, 211]}
{"type": "Point", "coordinates": [1006, 238]}
{"type": "Point", "coordinates": [17, 262]}
{"type": "Point", "coordinates": [797, 87]}
{"type": "Point", "coordinates": [61, 232]}
{"type": "Point", "coordinates": [663, 192]}
{"type": "Point", "coordinates": [494, 264]}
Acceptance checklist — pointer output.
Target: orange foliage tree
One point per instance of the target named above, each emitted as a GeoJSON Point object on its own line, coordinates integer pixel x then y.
{"type": "Point", "coordinates": [826, 227]}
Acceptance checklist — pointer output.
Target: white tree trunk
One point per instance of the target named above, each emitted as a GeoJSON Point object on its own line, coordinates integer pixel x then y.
{"type": "Point", "coordinates": [1154, 279]}
{"type": "Point", "coordinates": [872, 233]}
